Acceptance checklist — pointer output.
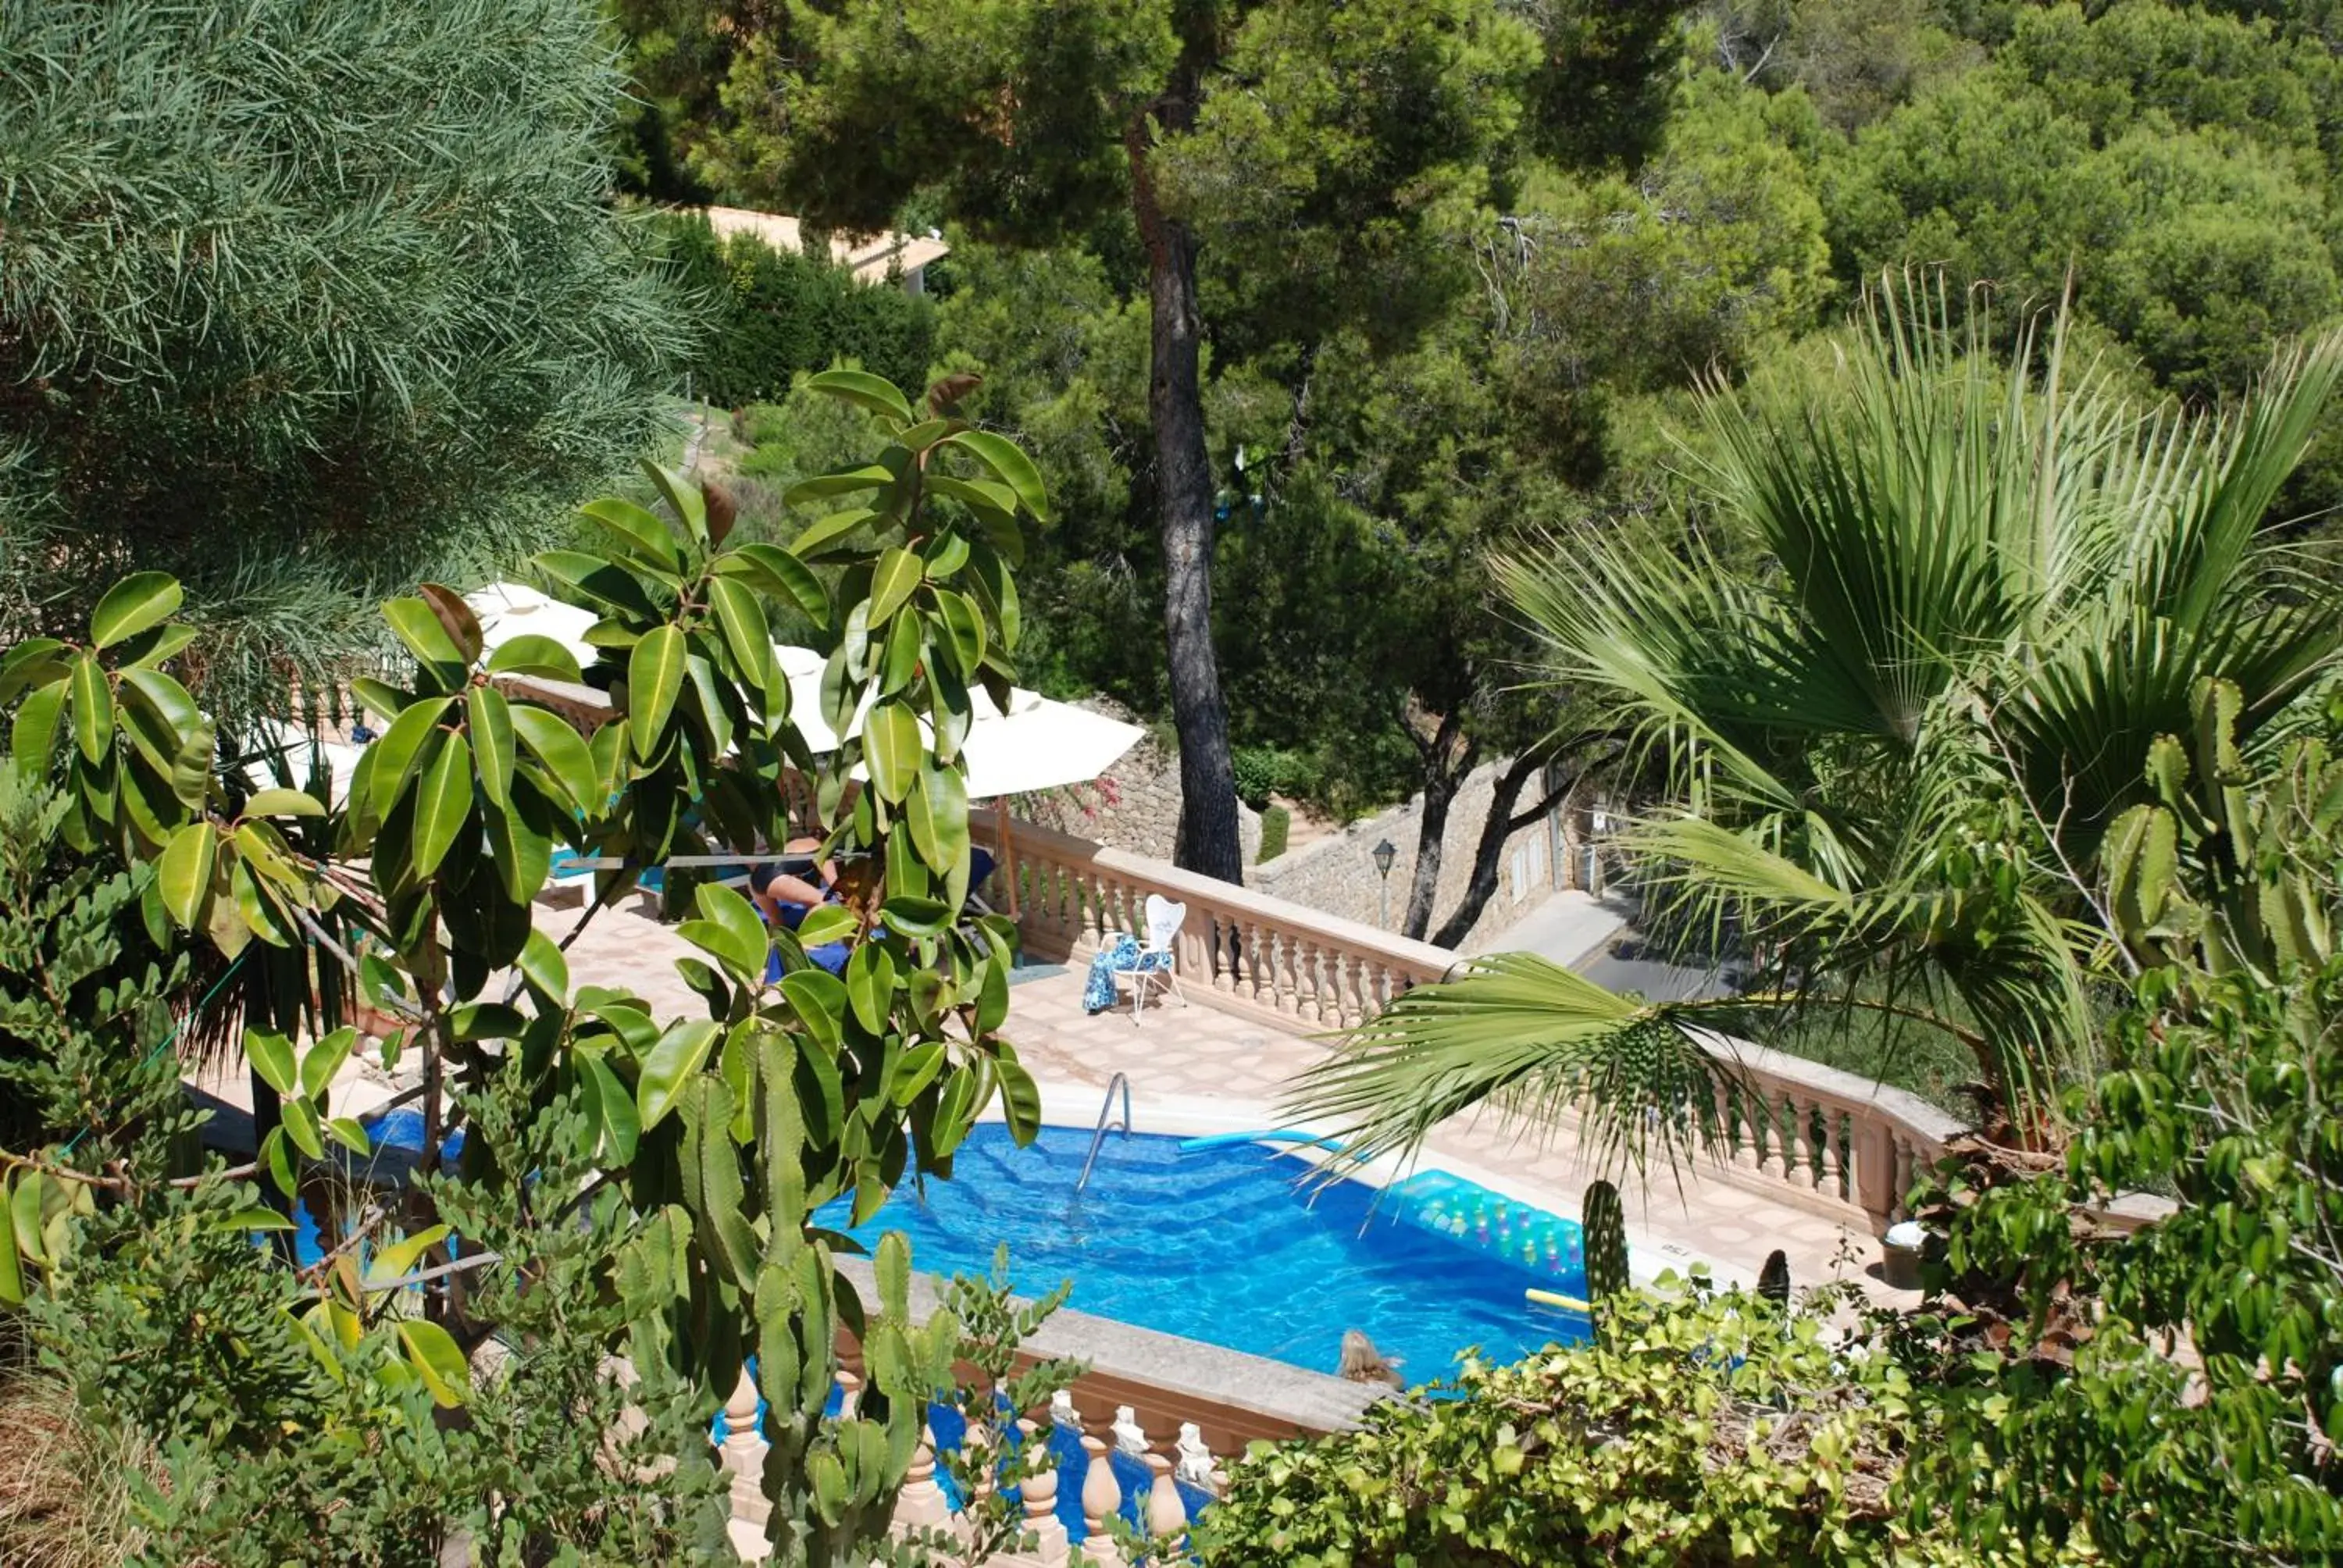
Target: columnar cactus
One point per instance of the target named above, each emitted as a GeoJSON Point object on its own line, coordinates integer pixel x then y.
{"type": "Point", "coordinates": [1607, 1243]}
{"type": "Point", "coordinates": [1773, 1279]}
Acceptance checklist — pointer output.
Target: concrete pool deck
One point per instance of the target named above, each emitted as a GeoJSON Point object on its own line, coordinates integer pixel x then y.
{"type": "Point", "coordinates": [1199, 1069]}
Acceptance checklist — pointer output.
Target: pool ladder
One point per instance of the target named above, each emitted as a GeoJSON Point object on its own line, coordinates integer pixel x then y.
{"type": "Point", "coordinates": [1122, 1081]}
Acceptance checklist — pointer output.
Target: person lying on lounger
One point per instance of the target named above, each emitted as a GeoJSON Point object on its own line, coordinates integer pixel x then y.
{"type": "Point", "coordinates": [772, 887]}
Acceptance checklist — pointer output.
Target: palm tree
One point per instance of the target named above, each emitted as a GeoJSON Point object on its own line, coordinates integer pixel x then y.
{"type": "Point", "coordinates": [1887, 757]}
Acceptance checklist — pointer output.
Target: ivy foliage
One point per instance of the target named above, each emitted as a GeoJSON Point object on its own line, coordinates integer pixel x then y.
{"type": "Point", "coordinates": [1699, 1428]}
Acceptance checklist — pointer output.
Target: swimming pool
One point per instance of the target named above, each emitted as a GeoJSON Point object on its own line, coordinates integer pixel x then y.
{"type": "Point", "coordinates": [1222, 1245]}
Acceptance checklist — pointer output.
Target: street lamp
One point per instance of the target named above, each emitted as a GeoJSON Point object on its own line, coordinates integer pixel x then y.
{"type": "Point", "coordinates": [1383, 855]}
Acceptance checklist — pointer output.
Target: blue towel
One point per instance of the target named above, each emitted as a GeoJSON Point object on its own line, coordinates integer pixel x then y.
{"type": "Point", "coordinates": [1120, 955]}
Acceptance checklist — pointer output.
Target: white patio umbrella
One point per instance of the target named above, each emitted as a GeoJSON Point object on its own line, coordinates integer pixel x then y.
{"type": "Point", "coordinates": [507, 610]}
{"type": "Point", "coordinates": [1039, 744]}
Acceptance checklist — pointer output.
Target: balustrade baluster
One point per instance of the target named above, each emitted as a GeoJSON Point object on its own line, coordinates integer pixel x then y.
{"type": "Point", "coordinates": [921, 1501]}
{"type": "Point", "coordinates": [744, 1452]}
{"type": "Point", "coordinates": [1038, 1494]}
{"type": "Point", "coordinates": [1167, 1515]}
{"type": "Point", "coordinates": [1102, 1497]}
{"type": "Point", "coordinates": [1310, 992]}
{"type": "Point", "coordinates": [1196, 1465]}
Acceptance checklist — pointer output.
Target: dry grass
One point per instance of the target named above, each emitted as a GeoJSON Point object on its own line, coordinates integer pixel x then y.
{"type": "Point", "coordinates": [63, 1500]}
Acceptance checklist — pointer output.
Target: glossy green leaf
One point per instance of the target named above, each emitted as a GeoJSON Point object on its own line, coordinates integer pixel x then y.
{"type": "Point", "coordinates": [860, 388]}
{"type": "Point", "coordinates": [322, 1060]}
{"type": "Point", "coordinates": [1008, 465]}
{"type": "Point", "coordinates": [898, 572]}
{"type": "Point", "coordinates": [1020, 1101]}
{"type": "Point", "coordinates": [432, 1351]}
{"type": "Point", "coordinates": [621, 1124]}
{"type": "Point", "coordinates": [26, 1206]}
{"type": "Point", "coordinates": [276, 1157]}
{"type": "Point", "coordinates": [401, 750]}
{"type": "Point", "coordinates": [395, 1260]}
{"type": "Point", "coordinates": [819, 999]}
{"type": "Point", "coordinates": [138, 602]}
{"type": "Point", "coordinates": [825, 923]}
{"type": "Point", "coordinates": [535, 654]}
{"type": "Point", "coordinates": [747, 634]}
{"type": "Point", "coordinates": [283, 803]}
{"type": "Point", "coordinates": [844, 482]}
{"type": "Point", "coordinates": [568, 764]}
{"type": "Point", "coordinates": [671, 1067]}
{"type": "Point", "coordinates": [654, 677]}
{"type": "Point", "coordinates": [682, 495]}
{"type": "Point", "coordinates": [302, 1126]}
{"type": "Point", "coordinates": [351, 1134]}
{"type": "Point", "coordinates": [782, 574]}
{"type": "Point", "coordinates": [730, 930]}
{"type": "Point", "coordinates": [523, 856]}
{"type": "Point", "coordinates": [545, 966]}
{"type": "Point", "coordinates": [915, 916]}
{"type": "Point", "coordinates": [914, 1071]}
{"type": "Point", "coordinates": [183, 874]}
{"type": "Point", "coordinates": [870, 986]}
{"type": "Point", "coordinates": [36, 661]}
{"type": "Point", "coordinates": [92, 708]}
{"type": "Point", "coordinates": [33, 738]}
{"type": "Point", "coordinates": [637, 532]}
{"type": "Point", "coordinates": [937, 814]}
{"type": "Point", "coordinates": [826, 533]}
{"type": "Point", "coordinates": [442, 803]}
{"type": "Point", "coordinates": [891, 746]}
{"type": "Point", "coordinates": [271, 1056]}
{"type": "Point", "coordinates": [489, 719]}
{"type": "Point", "coordinates": [604, 582]}
{"type": "Point", "coordinates": [900, 661]}
{"type": "Point", "coordinates": [417, 626]}
{"type": "Point", "coordinates": [12, 1271]}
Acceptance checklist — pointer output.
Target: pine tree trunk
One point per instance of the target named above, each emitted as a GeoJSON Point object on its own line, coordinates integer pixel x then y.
{"type": "Point", "coordinates": [1208, 841]}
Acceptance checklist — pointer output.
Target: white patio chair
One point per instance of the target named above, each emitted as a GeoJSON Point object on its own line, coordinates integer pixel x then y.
{"type": "Point", "coordinates": [1158, 965]}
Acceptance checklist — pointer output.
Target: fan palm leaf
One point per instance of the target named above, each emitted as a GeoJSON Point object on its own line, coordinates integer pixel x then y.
{"type": "Point", "coordinates": [1889, 759]}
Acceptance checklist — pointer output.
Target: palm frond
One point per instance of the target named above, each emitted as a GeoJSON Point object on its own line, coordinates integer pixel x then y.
{"type": "Point", "coordinates": [1537, 1042]}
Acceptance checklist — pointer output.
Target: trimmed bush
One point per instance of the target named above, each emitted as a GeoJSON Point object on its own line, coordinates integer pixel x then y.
{"type": "Point", "coordinates": [774, 313]}
{"type": "Point", "coordinates": [1275, 823]}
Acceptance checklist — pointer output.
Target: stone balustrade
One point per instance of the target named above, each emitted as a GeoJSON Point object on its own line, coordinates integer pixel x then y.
{"type": "Point", "coordinates": [1066, 1506]}
{"type": "Point", "coordinates": [1844, 1146]}
{"type": "Point", "coordinates": [1295, 966]}
{"type": "Point", "coordinates": [1829, 1141]}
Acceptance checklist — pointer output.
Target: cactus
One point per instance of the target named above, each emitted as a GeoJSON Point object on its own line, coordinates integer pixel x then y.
{"type": "Point", "coordinates": [1607, 1243]}
{"type": "Point", "coordinates": [1773, 1279]}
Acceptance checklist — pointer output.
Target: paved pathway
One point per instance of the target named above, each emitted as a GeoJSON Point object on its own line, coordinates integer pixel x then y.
{"type": "Point", "coordinates": [1566, 928]}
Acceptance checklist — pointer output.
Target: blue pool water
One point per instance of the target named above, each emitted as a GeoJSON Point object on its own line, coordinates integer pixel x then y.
{"type": "Point", "coordinates": [1224, 1245]}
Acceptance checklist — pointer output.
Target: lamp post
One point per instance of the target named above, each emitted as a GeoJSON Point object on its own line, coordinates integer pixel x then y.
{"type": "Point", "coordinates": [1384, 855]}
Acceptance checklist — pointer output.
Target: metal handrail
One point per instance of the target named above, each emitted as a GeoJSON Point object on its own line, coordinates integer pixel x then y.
{"type": "Point", "coordinates": [1120, 1081]}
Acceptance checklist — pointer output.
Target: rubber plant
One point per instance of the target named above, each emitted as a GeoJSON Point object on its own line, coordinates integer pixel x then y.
{"type": "Point", "coordinates": [724, 1133]}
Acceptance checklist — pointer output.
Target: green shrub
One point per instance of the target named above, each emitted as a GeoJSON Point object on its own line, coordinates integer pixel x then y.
{"type": "Point", "coordinates": [1276, 824]}
{"type": "Point", "coordinates": [1265, 770]}
{"type": "Point", "coordinates": [1705, 1429]}
{"type": "Point", "coordinates": [776, 312]}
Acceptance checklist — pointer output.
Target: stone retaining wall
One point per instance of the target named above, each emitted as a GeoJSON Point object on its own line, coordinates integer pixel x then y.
{"type": "Point", "coordinates": [1337, 874]}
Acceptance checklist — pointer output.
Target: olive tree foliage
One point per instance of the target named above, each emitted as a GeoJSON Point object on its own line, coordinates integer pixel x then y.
{"type": "Point", "coordinates": [302, 301]}
{"type": "Point", "coordinates": [658, 1177]}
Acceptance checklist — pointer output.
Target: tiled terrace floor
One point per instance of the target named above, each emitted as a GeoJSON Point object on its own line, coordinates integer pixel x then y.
{"type": "Point", "coordinates": [1201, 1057]}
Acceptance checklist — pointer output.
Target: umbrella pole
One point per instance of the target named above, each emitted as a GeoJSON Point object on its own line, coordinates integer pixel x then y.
{"type": "Point", "coordinates": [1008, 851]}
